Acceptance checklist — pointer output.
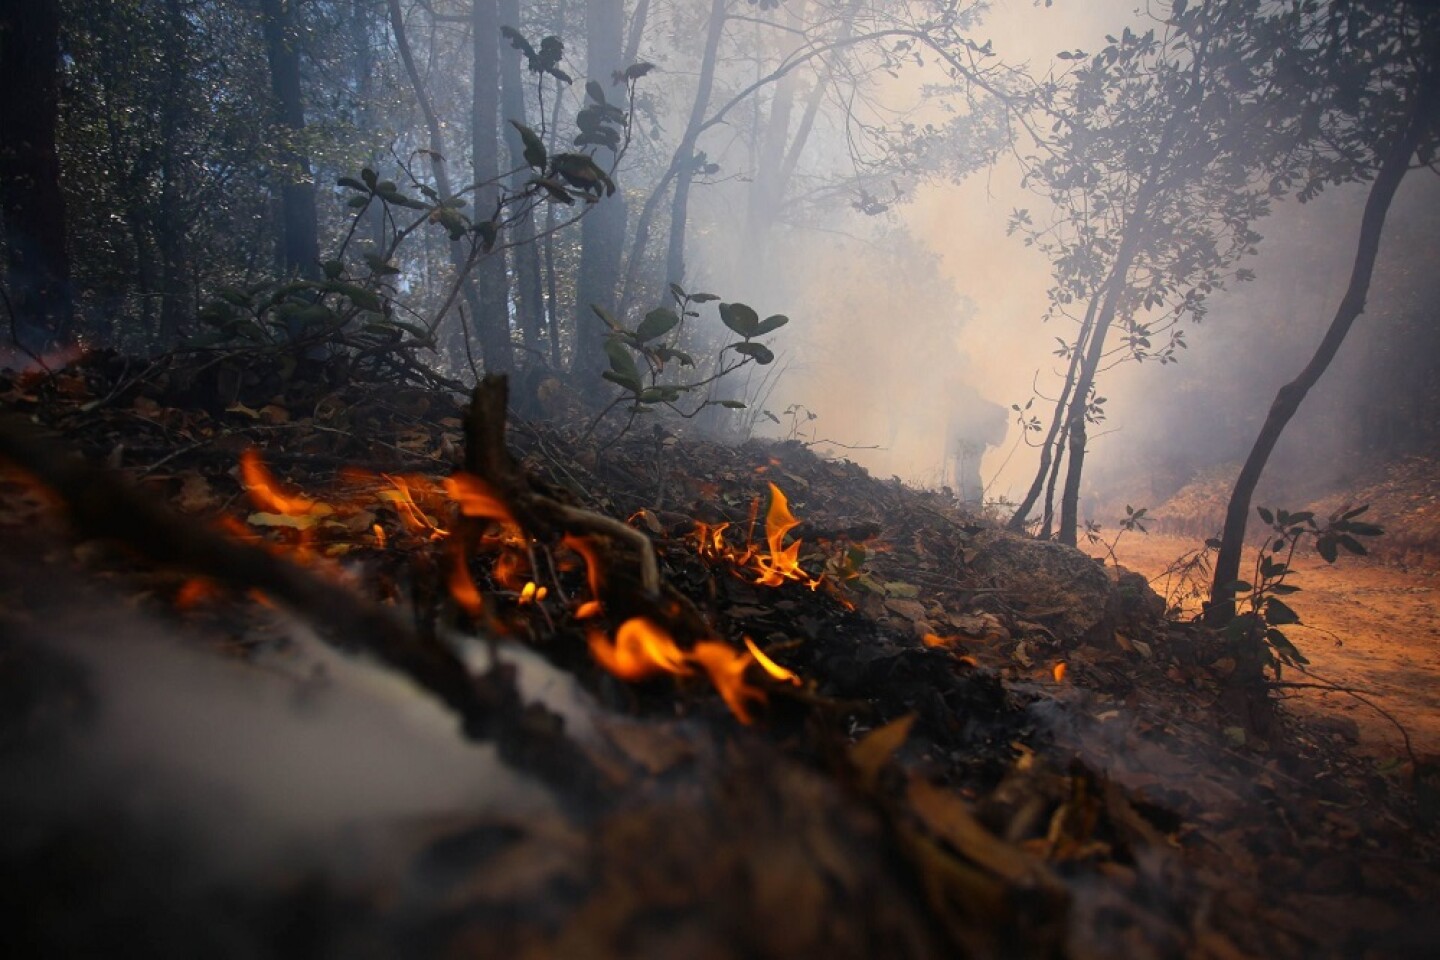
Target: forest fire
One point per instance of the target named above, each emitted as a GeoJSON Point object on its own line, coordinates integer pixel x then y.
{"type": "Point", "coordinates": [639, 649]}
{"type": "Point", "coordinates": [780, 564]}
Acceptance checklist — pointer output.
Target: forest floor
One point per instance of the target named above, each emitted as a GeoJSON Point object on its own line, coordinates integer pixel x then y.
{"type": "Point", "coordinates": [1369, 626]}
{"type": "Point", "coordinates": [988, 745]}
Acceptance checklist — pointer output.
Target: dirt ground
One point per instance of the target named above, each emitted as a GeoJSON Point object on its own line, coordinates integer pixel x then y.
{"type": "Point", "coordinates": [1368, 626]}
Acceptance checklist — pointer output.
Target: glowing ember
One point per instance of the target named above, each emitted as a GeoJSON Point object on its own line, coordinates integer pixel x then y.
{"type": "Point", "coordinates": [1059, 672]}
{"type": "Point", "coordinates": [935, 640]}
{"type": "Point", "coordinates": [770, 666]}
{"type": "Point", "coordinates": [194, 592]}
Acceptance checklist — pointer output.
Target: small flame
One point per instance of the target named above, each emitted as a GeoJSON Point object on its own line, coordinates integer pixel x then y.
{"type": "Point", "coordinates": [265, 491]}
{"type": "Point", "coordinates": [379, 532]}
{"type": "Point", "coordinates": [476, 499]}
{"type": "Point", "coordinates": [1059, 672]}
{"type": "Point", "coordinates": [784, 562]}
{"type": "Point", "coordinates": [414, 519]}
{"type": "Point", "coordinates": [935, 640]}
{"type": "Point", "coordinates": [462, 586]}
{"type": "Point", "coordinates": [641, 649]}
{"type": "Point", "coordinates": [770, 666]}
{"type": "Point", "coordinates": [726, 667]}
{"type": "Point", "coordinates": [533, 593]}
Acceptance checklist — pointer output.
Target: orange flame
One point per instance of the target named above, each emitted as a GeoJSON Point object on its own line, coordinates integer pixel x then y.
{"type": "Point", "coordinates": [265, 491]}
{"type": "Point", "coordinates": [726, 667]}
{"type": "Point", "coordinates": [414, 519]}
{"type": "Point", "coordinates": [462, 587]}
{"type": "Point", "coordinates": [476, 499]}
{"type": "Point", "coordinates": [770, 666]}
{"type": "Point", "coordinates": [784, 562]}
{"type": "Point", "coordinates": [641, 649]}
{"type": "Point", "coordinates": [1059, 672]}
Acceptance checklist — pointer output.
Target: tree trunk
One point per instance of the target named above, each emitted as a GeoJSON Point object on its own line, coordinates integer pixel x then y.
{"type": "Point", "coordinates": [170, 222]}
{"type": "Point", "coordinates": [1393, 165]}
{"type": "Point", "coordinates": [602, 231]}
{"type": "Point", "coordinates": [492, 317]}
{"type": "Point", "coordinates": [685, 154]}
{"type": "Point", "coordinates": [31, 202]}
{"type": "Point", "coordinates": [524, 252]}
{"type": "Point", "coordinates": [459, 261]}
{"type": "Point", "coordinates": [300, 252]}
{"type": "Point", "coordinates": [1054, 437]}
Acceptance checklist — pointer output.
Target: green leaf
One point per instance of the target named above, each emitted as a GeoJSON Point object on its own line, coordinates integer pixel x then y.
{"type": "Point", "coordinates": [666, 354]}
{"type": "Point", "coordinates": [353, 184]}
{"type": "Point", "coordinates": [740, 318]}
{"type": "Point", "coordinates": [771, 324]}
{"type": "Point", "coordinates": [1325, 546]}
{"type": "Point", "coordinates": [629, 383]}
{"type": "Point", "coordinates": [596, 92]}
{"type": "Point", "coordinates": [733, 404]}
{"type": "Point", "coordinates": [362, 298]}
{"type": "Point", "coordinates": [637, 70]}
{"type": "Point", "coordinates": [453, 222]}
{"type": "Point", "coordinates": [332, 268]}
{"type": "Point", "coordinates": [1265, 514]}
{"type": "Point", "coordinates": [657, 322]}
{"type": "Point", "coordinates": [622, 361]}
{"type": "Point", "coordinates": [358, 202]}
{"type": "Point", "coordinates": [1284, 589]}
{"type": "Point", "coordinates": [758, 351]}
{"type": "Point", "coordinates": [535, 154]}
{"type": "Point", "coordinates": [378, 266]}
{"type": "Point", "coordinates": [703, 297]}
{"type": "Point", "coordinates": [1363, 529]}
{"type": "Point", "coordinates": [369, 177]}
{"type": "Point", "coordinates": [556, 191]}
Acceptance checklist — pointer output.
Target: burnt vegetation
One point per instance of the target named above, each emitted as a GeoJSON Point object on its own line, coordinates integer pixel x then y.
{"type": "Point", "coordinates": [429, 516]}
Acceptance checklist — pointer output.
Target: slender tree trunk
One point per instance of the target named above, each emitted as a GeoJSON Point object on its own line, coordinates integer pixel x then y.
{"type": "Point", "coordinates": [552, 284]}
{"type": "Point", "coordinates": [454, 248]}
{"type": "Point", "coordinates": [685, 155]}
{"type": "Point", "coordinates": [31, 202]}
{"type": "Point", "coordinates": [525, 253]}
{"type": "Point", "coordinates": [300, 252]}
{"type": "Point", "coordinates": [170, 225]}
{"type": "Point", "coordinates": [636, 33]}
{"type": "Point", "coordinates": [492, 318]}
{"type": "Point", "coordinates": [1055, 436]}
{"type": "Point", "coordinates": [602, 231]}
{"type": "Point", "coordinates": [1393, 165]}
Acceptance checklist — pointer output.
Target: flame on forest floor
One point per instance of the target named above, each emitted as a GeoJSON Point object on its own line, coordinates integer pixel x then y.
{"type": "Point", "coordinates": [642, 649]}
{"type": "Point", "coordinates": [427, 510]}
{"type": "Point", "coordinates": [774, 565]}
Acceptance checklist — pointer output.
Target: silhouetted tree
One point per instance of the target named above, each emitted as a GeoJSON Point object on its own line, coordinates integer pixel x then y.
{"type": "Point", "coordinates": [31, 202]}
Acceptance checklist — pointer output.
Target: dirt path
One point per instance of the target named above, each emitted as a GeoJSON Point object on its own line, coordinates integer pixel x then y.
{"type": "Point", "coordinates": [1367, 626]}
